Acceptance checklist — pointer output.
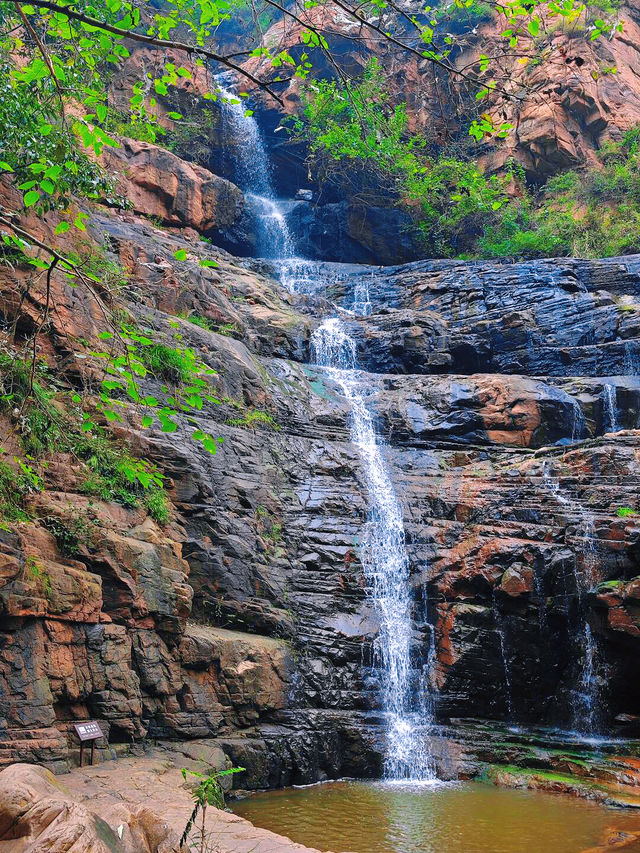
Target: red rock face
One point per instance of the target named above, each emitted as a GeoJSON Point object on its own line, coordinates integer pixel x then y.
{"type": "Point", "coordinates": [568, 104]}
{"type": "Point", "coordinates": [575, 101]}
{"type": "Point", "coordinates": [157, 183]}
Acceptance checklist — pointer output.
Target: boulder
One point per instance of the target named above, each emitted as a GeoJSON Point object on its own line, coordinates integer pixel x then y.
{"type": "Point", "coordinates": [159, 184]}
{"type": "Point", "coordinates": [37, 813]}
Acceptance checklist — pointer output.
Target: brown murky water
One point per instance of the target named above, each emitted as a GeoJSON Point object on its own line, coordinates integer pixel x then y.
{"type": "Point", "coordinates": [468, 817]}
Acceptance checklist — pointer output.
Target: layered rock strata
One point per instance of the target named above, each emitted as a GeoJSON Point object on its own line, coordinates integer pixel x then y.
{"type": "Point", "coordinates": [247, 619]}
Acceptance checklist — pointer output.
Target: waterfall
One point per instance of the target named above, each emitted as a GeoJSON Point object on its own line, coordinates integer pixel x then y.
{"type": "Point", "coordinates": [579, 426]}
{"type": "Point", "coordinates": [586, 694]}
{"type": "Point", "coordinates": [386, 567]}
{"type": "Point", "coordinates": [506, 665]}
{"type": "Point", "coordinates": [406, 691]}
{"type": "Point", "coordinates": [361, 301]}
{"type": "Point", "coordinates": [252, 173]}
{"type": "Point", "coordinates": [630, 365]}
{"type": "Point", "coordinates": [609, 409]}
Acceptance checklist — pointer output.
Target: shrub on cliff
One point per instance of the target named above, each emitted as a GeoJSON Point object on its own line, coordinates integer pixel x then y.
{"type": "Point", "coordinates": [594, 213]}
{"type": "Point", "coordinates": [359, 139]}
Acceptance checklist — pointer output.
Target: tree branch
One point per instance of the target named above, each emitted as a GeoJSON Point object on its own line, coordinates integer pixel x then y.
{"type": "Point", "coordinates": [152, 41]}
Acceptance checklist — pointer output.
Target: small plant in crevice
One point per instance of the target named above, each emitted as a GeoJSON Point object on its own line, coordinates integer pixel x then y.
{"type": "Point", "coordinates": [228, 330]}
{"type": "Point", "coordinates": [626, 512]}
{"type": "Point", "coordinates": [208, 792]}
{"type": "Point", "coordinates": [34, 571]}
{"type": "Point", "coordinates": [253, 418]}
{"type": "Point", "coordinates": [158, 506]}
{"type": "Point", "coordinates": [166, 362]}
{"type": "Point", "coordinates": [198, 320]}
{"type": "Point", "coordinates": [71, 533]}
{"type": "Point", "coordinates": [269, 525]}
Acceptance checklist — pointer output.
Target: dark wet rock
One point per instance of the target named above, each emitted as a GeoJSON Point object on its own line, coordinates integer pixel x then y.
{"type": "Point", "coordinates": [489, 384]}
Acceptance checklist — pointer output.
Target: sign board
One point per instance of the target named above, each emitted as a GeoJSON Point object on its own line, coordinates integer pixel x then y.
{"type": "Point", "coordinates": [88, 731]}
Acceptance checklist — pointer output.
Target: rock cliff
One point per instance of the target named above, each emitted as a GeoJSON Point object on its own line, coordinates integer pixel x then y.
{"type": "Point", "coordinates": [509, 398]}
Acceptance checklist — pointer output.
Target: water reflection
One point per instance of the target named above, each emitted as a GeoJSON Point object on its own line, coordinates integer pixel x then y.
{"type": "Point", "coordinates": [434, 818]}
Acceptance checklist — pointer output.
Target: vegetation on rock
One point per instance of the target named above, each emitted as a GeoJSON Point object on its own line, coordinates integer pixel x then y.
{"type": "Point", "coordinates": [359, 139]}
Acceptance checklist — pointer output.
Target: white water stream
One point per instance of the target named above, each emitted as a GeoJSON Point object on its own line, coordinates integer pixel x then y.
{"type": "Point", "coordinates": [252, 173]}
{"type": "Point", "coordinates": [405, 694]}
{"type": "Point", "coordinates": [586, 694]}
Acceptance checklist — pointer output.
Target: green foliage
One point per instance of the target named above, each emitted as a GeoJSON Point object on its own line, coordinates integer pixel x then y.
{"type": "Point", "coordinates": [460, 12]}
{"type": "Point", "coordinates": [226, 329]}
{"type": "Point", "coordinates": [112, 474]}
{"type": "Point", "coordinates": [16, 484]}
{"type": "Point", "coordinates": [357, 131]}
{"type": "Point", "coordinates": [70, 533]}
{"type": "Point", "coordinates": [456, 209]}
{"type": "Point", "coordinates": [34, 571]}
{"type": "Point", "coordinates": [626, 512]}
{"type": "Point", "coordinates": [27, 396]}
{"type": "Point", "coordinates": [44, 425]}
{"type": "Point", "coordinates": [208, 792]}
{"type": "Point", "coordinates": [170, 363]}
{"type": "Point", "coordinates": [136, 354]}
{"type": "Point", "coordinates": [37, 147]}
{"type": "Point", "coordinates": [253, 418]}
{"type": "Point", "coordinates": [158, 506]}
{"type": "Point", "coordinates": [191, 137]}
{"type": "Point", "coordinates": [595, 213]}
{"type": "Point", "coordinates": [199, 320]}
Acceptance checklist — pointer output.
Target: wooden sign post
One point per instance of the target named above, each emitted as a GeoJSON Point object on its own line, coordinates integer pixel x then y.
{"type": "Point", "coordinates": [88, 731]}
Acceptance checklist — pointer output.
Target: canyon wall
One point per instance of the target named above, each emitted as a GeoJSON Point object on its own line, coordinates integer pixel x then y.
{"type": "Point", "coordinates": [509, 397]}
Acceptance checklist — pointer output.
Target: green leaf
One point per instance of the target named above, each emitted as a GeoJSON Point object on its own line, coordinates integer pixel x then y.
{"type": "Point", "coordinates": [534, 27]}
{"type": "Point", "coordinates": [62, 228]}
{"type": "Point", "coordinates": [146, 421]}
{"type": "Point", "coordinates": [205, 262]}
{"type": "Point", "coordinates": [180, 255]}
{"type": "Point", "coordinates": [5, 166]}
{"type": "Point", "coordinates": [79, 221]}
{"type": "Point", "coordinates": [31, 198]}
{"type": "Point", "coordinates": [167, 425]}
{"type": "Point", "coordinates": [210, 444]}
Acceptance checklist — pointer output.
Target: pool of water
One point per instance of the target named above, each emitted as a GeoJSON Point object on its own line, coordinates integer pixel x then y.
{"type": "Point", "coordinates": [468, 817]}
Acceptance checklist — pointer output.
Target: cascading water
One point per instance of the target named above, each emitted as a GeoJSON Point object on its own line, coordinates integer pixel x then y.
{"type": "Point", "coordinates": [252, 173]}
{"type": "Point", "coordinates": [586, 692]}
{"type": "Point", "coordinates": [386, 566]}
{"type": "Point", "coordinates": [406, 691]}
{"type": "Point", "coordinates": [609, 406]}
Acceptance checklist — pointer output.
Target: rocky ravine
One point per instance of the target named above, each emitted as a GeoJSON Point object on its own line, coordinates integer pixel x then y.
{"type": "Point", "coordinates": [245, 621]}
